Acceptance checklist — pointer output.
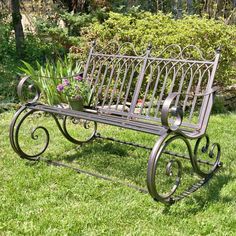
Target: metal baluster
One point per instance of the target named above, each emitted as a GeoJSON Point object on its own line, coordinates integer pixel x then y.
{"type": "Point", "coordinates": [164, 86]}
{"type": "Point", "coordinates": [189, 86]}
{"type": "Point", "coordinates": [123, 82]}
{"type": "Point", "coordinates": [197, 90]}
{"type": "Point", "coordinates": [147, 88]}
{"type": "Point", "coordinates": [183, 76]}
{"type": "Point", "coordinates": [89, 58]}
{"type": "Point", "coordinates": [156, 85]}
{"type": "Point", "coordinates": [129, 85]}
{"type": "Point", "coordinates": [116, 82]}
{"type": "Point", "coordinates": [110, 80]}
{"type": "Point", "coordinates": [107, 64]}
{"type": "Point", "coordinates": [140, 80]}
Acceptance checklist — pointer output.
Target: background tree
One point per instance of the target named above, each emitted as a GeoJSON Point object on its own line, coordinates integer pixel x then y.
{"type": "Point", "coordinates": [18, 28]}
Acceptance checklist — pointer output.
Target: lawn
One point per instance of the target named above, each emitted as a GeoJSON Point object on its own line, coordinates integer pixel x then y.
{"type": "Point", "coordinates": [41, 199]}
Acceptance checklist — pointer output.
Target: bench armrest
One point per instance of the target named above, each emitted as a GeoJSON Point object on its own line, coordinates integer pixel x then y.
{"type": "Point", "coordinates": [168, 109]}
{"type": "Point", "coordinates": [32, 88]}
{"type": "Point", "coordinates": [176, 111]}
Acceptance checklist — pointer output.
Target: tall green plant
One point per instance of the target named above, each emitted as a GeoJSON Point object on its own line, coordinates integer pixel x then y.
{"type": "Point", "coordinates": [48, 76]}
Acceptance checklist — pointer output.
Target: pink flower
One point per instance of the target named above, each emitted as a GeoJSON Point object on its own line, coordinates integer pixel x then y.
{"type": "Point", "coordinates": [65, 82]}
{"type": "Point", "coordinates": [78, 78]}
{"type": "Point", "coordinates": [60, 87]}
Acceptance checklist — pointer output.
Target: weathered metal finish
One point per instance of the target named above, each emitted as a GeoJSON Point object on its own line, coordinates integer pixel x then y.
{"type": "Point", "coordinates": [156, 94]}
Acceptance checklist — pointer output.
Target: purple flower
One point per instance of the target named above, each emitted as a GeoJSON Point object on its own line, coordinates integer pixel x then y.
{"type": "Point", "coordinates": [65, 82]}
{"type": "Point", "coordinates": [78, 78]}
{"type": "Point", "coordinates": [60, 87]}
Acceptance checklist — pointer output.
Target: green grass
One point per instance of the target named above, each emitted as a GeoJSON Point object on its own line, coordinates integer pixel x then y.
{"type": "Point", "coordinates": [40, 199]}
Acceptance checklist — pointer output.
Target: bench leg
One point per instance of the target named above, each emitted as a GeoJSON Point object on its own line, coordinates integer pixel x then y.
{"type": "Point", "coordinates": [17, 121]}
{"type": "Point", "coordinates": [85, 124]}
{"type": "Point", "coordinates": [21, 116]}
{"type": "Point", "coordinates": [213, 153]}
{"type": "Point", "coordinates": [171, 170]}
{"type": "Point", "coordinates": [154, 160]}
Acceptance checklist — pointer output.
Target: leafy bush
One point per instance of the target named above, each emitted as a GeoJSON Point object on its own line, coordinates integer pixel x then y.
{"type": "Point", "coordinates": [162, 30]}
{"type": "Point", "coordinates": [64, 28]}
{"type": "Point", "coordinates": [36, 50]}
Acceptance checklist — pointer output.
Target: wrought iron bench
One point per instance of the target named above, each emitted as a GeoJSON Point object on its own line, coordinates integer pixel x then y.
{"type": "Point", "coordinates": [168, 95]}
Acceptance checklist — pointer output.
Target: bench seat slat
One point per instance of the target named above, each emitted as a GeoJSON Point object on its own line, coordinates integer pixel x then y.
{"type": "Point", "coordinates": [119, 121]}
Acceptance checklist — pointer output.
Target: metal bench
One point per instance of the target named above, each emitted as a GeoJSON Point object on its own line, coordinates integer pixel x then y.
{"type": "Point", "coordinates": [169, 95]}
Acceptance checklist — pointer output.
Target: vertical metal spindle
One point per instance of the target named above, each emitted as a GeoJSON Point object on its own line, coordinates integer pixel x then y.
{"type": "Point", "coordinates": [159, 71]}
{"type": "Point", "coordinates": [140, 80]}
{"type": "Point", "coordinates": [123, 82]}
{"type": "Point", "coordinates": [110, 80]}
{"type": "Point", "coordinates": [147, 88]}
{"type": "Point", "coordinates": [129, 84]}
{"type": "Point", "coordinates": [189, 85]}
{"type": "Point", "coordinates": [167, 72]}
{"type": "Point", "coordinates": [208, 87]}
{"type": "Point", "coordinates": [89, 59]}
{"type": "Point", "coordinates": [183, 77]}
{"type": "Point", "coordinates": [105, 63]}
{"type": "Point", "coordinates": [197, 90]}
{"type": "Point", "coordinates": [121, 64]}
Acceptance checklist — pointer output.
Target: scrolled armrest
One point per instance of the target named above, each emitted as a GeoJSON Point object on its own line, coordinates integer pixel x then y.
{"type": "Point", "coordinates": [31, 87]}
{"type": "Point", "coordinates": [168, 109]}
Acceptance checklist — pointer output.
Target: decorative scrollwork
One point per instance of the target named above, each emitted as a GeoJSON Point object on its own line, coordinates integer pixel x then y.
{"type": "Point", "coordinates": [174, 51]}
{"type": "Point", "coordinates": [14, 135]}
{"type": "Point", "coordinates": [175, 111]}
{"type": "Point", "coordinates": [211, 154]}
{"type": "Point", "coordinates": [21, 116]}
{"type": "Point", "coordinates": [31, 87]}
{"type": "Point", "coordinates": [173, 177]}
{"type": "Point", "coordinates": [85, 124]}
{"type": "Point", "coordinates": [116, 48]}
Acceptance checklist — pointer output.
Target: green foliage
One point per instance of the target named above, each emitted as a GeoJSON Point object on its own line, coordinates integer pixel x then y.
{"type": "Point", "coordinates": [163, 30]}
{"type": "Point", "coordinates": [48, 76]}
{"type": "Point", "coordinates": [64, 28]}
{"type": "Point", "coordinates": [36, 50]}
{"type": "Point", "coordinates": [39, 49]}
{"type": "Point", "coordinates": [7, 44]}
{"type": "Point", "coordinates": [218, 106]}
{"type": "Point", "coordinates": [8, 62]}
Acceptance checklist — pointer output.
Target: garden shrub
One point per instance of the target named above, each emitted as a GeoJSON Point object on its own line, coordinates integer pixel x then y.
{"type": "Point", "coordinates": [64, 28]}
{"type": "Point", "coordinates": [162, 30]}
{"type": "Point", "coordinates": [36, 49]}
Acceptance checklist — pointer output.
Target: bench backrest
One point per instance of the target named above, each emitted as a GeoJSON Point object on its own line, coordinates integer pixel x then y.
{"type": "Point", "coordinates": [135, 86]}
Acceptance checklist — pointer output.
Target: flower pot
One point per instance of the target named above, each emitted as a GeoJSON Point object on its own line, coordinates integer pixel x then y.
{"type": "Point", "coordinates": [76, 104]}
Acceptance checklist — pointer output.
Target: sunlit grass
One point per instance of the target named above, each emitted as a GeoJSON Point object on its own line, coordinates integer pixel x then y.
{"type": "Point", "coordinates": [40, 199]}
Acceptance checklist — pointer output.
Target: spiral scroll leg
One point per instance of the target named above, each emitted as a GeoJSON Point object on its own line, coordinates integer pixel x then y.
{"type": "Point", "coordinates": [153, 162]}
{"type": "Point", "coordinates": [86, 126]}
{"type": "Point", "coordinates": [211, 154]}
{"type": "Point", "coordinates": [14, 135]}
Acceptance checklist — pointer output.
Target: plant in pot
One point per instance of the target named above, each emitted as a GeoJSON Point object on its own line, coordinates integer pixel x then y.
{"type": "Point", "coordinates": [76, 90]}
{"type": "Point", "coordinates": [48, 75]}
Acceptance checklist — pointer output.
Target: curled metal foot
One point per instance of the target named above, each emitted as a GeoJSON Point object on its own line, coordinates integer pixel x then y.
{"type": "Point", "coordinates": [86, 125]}
{"type": "Point", "coordinates": [15, 126]}
{"type": "Point", "coordinates": [213, 153]}
{"type": "Point", "coordinates": [172, 170]}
